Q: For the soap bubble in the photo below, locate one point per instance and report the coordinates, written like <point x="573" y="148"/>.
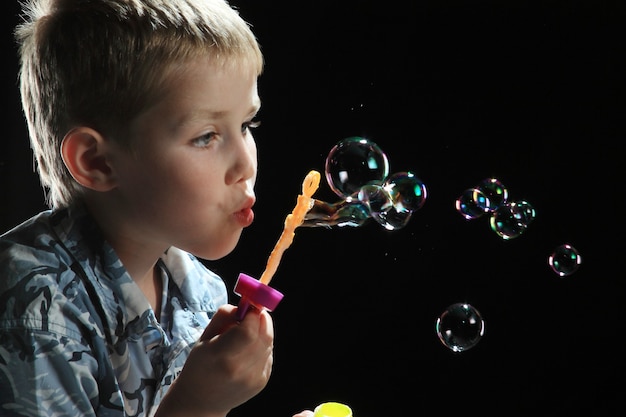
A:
<point x="381" y="207"/>
<point x="460" y="327"/>
<point x="340" y="214"/>
<point x="508" y="219"/>
<point x="407" y="192"/>
<point x="472" y="203"/>
<point x="565" y="260"/>
<point x="353" y="163"/>
<point x="358" y="171"/>
<point x="376" y="198"/>
<point x="511" y="219"/>
<point x="496" y="193"/>
<point x="523" y="211"/>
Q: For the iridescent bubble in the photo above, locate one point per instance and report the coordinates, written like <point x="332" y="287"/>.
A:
<point x="565" y="260"/>
<point x="472" y="203"/>
<point x="357" y="170"/>
<point x="496" y="193"/>
<point x="523" y="211"/>
<point x="376" y="198"/>
<point x="381" y="208"/>
<point x="460" y="327"/>
<point x="342" y="213"/>
<point x="392" y="219"/>
<point x="408" y="193"/>
<point x="353" y="163"/>
<point x="511" y="219"/>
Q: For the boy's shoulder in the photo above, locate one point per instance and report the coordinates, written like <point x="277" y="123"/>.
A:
<point x="39" y="250"/>
<point x="37" y="277"/>
<point x="52" y="265"/>
<point x="31" y="242"/>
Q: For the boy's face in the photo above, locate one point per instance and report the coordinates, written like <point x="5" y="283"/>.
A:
<point x="191" y="182"/>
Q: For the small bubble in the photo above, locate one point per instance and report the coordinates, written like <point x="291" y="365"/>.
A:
<point x="392" y="219"/>
<point x="460" y="327"/>
<point x="565" y="260"/>
<point x="408" y="193"/>
<point x="472" y="203"/>
<point x="496" y="193"/>
<point x="381" y="207"/>
<point x="375" y="197"/>
<point x="523" y="211"/>
<point x="511" y="219"/>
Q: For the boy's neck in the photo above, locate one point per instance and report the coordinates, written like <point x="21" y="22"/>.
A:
<point x="151" y="285"/>
<point x="138" y="256"/>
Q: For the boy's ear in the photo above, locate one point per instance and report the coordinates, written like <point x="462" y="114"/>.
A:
<point x="84" y="153"/>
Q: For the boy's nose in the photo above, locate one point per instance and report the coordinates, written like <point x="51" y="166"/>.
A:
<point x="245" y="158"/>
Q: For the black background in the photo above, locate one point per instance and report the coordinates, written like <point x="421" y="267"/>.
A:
<point x="530" y="92"/>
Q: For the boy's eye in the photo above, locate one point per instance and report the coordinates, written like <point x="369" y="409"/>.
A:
<point x="250" y="125"/>
<point x="204" y="140"/>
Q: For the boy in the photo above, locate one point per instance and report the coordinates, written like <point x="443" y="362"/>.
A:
<point x="140" y="115"/>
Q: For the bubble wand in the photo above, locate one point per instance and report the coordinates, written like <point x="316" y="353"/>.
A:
<point x="296" y="218"/>
<point x="258" y="293"/>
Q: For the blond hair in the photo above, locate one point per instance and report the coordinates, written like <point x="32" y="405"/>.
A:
<point x="99" y="63"/>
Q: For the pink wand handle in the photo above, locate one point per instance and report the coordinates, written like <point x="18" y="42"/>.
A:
<point x="254" y="293"/>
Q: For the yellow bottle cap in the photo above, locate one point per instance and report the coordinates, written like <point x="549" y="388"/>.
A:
<point x="332" y="409"/>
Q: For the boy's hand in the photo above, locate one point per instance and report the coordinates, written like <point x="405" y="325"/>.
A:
<point x="230" y="364"/>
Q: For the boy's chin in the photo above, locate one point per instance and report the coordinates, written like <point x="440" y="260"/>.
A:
<point x="216" y="253"/>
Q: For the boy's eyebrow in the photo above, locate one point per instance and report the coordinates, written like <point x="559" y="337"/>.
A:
<point x="204" y="114"/>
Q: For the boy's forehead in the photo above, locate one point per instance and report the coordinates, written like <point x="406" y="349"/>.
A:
<point x="200" y="68"/>
<point x="208" y="64"/>
<point x="200" y="91"/>
<point x="222" y="106"/>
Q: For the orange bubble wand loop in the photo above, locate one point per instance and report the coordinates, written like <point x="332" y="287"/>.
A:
<point x="294" y="219"/>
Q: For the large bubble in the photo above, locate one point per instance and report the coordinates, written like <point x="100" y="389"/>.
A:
<point x="460" y="327"/>
<point x="353" y="163"/>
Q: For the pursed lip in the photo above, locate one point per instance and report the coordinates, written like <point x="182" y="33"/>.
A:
<point x="245" y="215"/>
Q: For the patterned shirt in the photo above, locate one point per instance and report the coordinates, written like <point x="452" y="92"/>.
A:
<point x="77" y="335"/>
